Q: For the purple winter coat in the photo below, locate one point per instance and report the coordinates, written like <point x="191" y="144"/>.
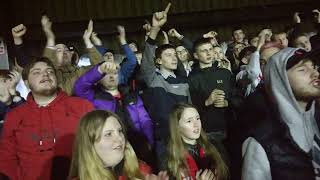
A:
<point x="86" y="87"/>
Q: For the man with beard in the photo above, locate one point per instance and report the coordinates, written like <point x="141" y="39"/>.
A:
<point x="286" y="144"/>
<point x="37" y="137"/>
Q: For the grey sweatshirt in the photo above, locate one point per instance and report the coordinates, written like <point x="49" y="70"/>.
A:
<point x="302" y="124"/>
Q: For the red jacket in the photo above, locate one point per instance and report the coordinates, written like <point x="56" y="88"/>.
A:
<point x="36" y="139"/>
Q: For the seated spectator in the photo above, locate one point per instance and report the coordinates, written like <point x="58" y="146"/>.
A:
<point x="101" y="151"/>
<point x="37" y="136"/>
<point x="190" y="154"/>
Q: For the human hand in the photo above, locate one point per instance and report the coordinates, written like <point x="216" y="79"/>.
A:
<point x="207" y="174"/>
<point x="17" y="33"/>
<point x="160" y="18"/>
<point x="216" y="98"/>
<point x="296" y="17"/>
<point x="121" y="35"/>
<point x="162" y="175"/>
<point x="95" y="39"/>
<point x="174" y="33"/>
<point x="166" y="38"/>
<point x="12" y="82"/>
<point x="108" y="68"/>
<point x="87" y="34"/>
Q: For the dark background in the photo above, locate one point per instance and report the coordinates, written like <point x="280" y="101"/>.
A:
<point x="190" y="17"/>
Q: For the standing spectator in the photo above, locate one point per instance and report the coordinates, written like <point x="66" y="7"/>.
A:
<point x="100" y="85"/>
<point x="60" y="55"/>
<point x="210" y="89"/>
<point x="165" y="88"/>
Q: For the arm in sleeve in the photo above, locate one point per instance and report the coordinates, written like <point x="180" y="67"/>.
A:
<point x="127" y="68"/>
<point x="21" y="55"/>
<point x="255" y="163"/>
<point x="94" y="55"/>
<point x="253" y="68"/>
<point x="146" y="122"/>
<point x="84" y="86"/>
<point x="50" y="53"/>
<point x="148" y="68"/>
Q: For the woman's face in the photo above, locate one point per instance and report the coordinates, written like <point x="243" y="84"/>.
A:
<point x="190" y="125"/>
<point x="111" y="146"/>
<point x="219" y="53"/>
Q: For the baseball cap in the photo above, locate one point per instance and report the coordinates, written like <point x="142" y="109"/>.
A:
<point x="301" y="54"/>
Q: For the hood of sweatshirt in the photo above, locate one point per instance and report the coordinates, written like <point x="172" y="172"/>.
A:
<point x="302" y="124"/>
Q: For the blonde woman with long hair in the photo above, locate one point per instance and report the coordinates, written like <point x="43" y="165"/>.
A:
<point x="101" y="151"/>
<point x="190" y="154"/>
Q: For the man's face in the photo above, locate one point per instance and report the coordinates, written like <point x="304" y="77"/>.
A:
<point x="204" y="53"/>
<point x="133" y="47"/>
<point x="42" y="79"/>
<point x="303" y="42"/>
<point x="62" y="50"/>
<point x="182" y="53"/>
<point x="108" y="56"/>
<point x="304" y="81"/>
<point x="282" y="39"/>
<point x="110" y="81"/>
<point x="168" y="60"/>
<point x="254" y="41"/>
<point x="238" y="36"/>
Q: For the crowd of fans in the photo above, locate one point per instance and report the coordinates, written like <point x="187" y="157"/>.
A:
<point x="206" y="110"/>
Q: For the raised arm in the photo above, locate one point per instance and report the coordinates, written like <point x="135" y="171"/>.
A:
<point x="253" y="68"/>
<point x="94" y="55"/>
<point x="148" y="68"/>
<point x="187" y="43"/>
<point x="84" y="86"/>
<point x="17" y="33"/>
<point x="127" y="68"/>
<point x="50" y="49"/>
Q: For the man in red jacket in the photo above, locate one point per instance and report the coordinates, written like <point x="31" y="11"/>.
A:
<point x="37" y="137"/>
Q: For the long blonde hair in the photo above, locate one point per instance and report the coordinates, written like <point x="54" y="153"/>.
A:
<point x="177" y="152"/>
<point x="86" y="164"/>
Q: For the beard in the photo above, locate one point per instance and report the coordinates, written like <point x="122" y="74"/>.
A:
<point x="44" y="92"/>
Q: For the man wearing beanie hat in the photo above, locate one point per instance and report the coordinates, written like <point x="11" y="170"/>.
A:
<point x="286" y="144"/>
